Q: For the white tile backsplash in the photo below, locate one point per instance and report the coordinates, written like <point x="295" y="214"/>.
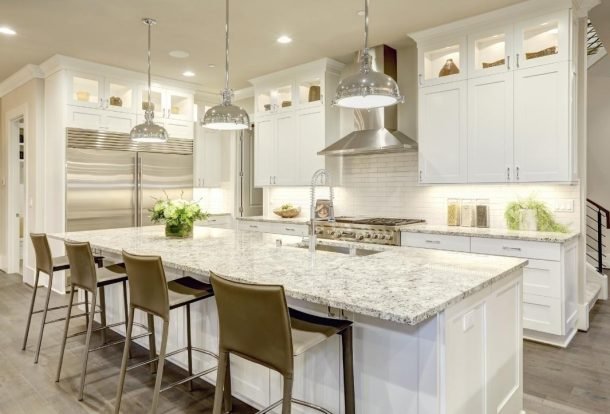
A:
<point x="386" y="185"/>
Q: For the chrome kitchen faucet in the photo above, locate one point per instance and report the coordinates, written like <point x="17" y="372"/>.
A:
<point x="323" y="176"/>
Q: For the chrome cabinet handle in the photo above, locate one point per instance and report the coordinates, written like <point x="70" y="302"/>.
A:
<point x="252" y="226"/>
<point x="516" y="249"/>
<point x="420" y="176"/>
<point x="289" y="229"/>
<point x="517" y="171"/>
<point x="433" y="241"/>
<point x="507" y="62"/>
<point x="517" y="60"/>
<point x="101" y="105"/>
<point x="508" y="174"/>
<point x="421" y="77"/>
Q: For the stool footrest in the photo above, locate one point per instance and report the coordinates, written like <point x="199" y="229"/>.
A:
<point x="177" y="351"/>
<point x="296" y="401"/>
<point x="54" y="308"/>
<point x="71" y="317"/>
<point x="118" y="341"/>
<point x="187" y="379"/>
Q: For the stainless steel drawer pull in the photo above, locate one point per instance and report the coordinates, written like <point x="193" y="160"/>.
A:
<point x="433" y="241"/>
<point x="289" y="229"/>
<point x="252" y="226"/>
<point x="516" y="249"/>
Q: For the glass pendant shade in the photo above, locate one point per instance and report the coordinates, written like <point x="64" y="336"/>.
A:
<point x="148" y="131"/>
<point x="226" y="116"/>
<point x="367" y="89"/>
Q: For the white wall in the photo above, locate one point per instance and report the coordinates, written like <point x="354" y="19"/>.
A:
<point x="598" y="129"/>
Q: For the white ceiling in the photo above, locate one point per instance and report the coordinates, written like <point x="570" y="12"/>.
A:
<point x="110" y="32"/>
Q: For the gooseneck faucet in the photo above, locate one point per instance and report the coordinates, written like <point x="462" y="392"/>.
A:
<point x="320" y="177"/>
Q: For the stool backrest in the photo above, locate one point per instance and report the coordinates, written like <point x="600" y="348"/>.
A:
<point x="82" y="265"/>
<point x="44" y="260"/>
<point x="255" y="323"/>
<point x="147" y="284"/>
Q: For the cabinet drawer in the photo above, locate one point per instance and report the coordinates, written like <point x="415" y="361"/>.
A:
<point x="217" y="221"/>
<point x="542" y="314"/>
<point x="436" y="241"/>
<point x="288" y="229"/>
<point x="517" y="248"/>
<point x="543" y="278"/>
<point x="253" y="226"/>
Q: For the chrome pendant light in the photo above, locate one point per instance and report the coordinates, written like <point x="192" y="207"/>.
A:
<point x="148" y="131"/>
<point x="226" y="116"/>
<point x="368" y="88"/>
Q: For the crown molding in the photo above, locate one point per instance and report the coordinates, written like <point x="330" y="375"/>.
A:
<point x="23" y="75"/>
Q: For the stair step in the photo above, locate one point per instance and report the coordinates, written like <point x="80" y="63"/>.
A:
<point x="592" y="291"/>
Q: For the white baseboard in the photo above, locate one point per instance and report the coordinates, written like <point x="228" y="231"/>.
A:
<point x="583" y="317"/>
<point x="561" y="341"/>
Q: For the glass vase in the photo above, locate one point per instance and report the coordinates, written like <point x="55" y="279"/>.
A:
<point x="182" y="230"/>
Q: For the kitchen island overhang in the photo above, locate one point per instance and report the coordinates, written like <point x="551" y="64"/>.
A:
<point x="435" y="332"/>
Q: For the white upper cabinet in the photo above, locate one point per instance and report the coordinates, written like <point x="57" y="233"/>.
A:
<point x="490" y="52"/>
<point x="542" y="40"/>
<point x="443" y="152"/>
<point x="207" y="158"/>
<point x="518" y="104"/>
<point x="442" y="61"/>
<point x="293" y="121"/>
<point x="169" y="103"/>
<point x="490" y="128"/>
<point x="101" y="92"/>
<point x="542" y="123"/>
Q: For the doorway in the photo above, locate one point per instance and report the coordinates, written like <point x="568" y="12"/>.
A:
<point x="16" y="192"/>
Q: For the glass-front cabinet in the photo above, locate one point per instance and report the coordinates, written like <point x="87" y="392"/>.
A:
<point x="168" y="103"/>
<point x="309" y="91"/>
<point x="120" y="96"/>
<point x="442" y="62"/>
<point x="275" y="98"/>
<point x="85" y="90"/>
<point x="490" y="52"/>
<point x="542" y="40"/>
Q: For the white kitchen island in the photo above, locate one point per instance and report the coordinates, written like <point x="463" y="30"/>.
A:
<point x="434" y="332"/>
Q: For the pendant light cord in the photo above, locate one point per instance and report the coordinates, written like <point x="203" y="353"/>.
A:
<point x="366" y="26"/>
<point x="149" y="23"/>
<point x="227" y="47"/>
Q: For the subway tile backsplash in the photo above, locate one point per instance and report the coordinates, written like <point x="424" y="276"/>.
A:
<point x="386" y="185"/>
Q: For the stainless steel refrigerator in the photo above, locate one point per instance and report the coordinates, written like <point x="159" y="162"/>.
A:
<point x="112" y="182"/>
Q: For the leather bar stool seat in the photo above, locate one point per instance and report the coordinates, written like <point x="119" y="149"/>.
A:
<point x="47" y="264"/>
<point x="256" y="324"/>
<point x="92" y="281"/>
<point x="151" y="293"/>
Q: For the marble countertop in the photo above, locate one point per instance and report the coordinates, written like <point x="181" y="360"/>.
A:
<point x="541" y="236"/>
<point x="275" y="219"/>
<point x="399" y="284"/>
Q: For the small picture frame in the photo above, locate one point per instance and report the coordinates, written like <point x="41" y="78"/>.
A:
<point x="322" y="209"/>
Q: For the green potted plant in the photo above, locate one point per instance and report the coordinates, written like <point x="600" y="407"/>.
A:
<point x="528" y="213"/>
<point x="178" y="216"/>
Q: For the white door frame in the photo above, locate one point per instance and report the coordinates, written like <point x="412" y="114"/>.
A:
<point x="12" y="188"/>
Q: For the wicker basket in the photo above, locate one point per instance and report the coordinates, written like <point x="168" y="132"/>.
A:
<point x="544" y="52"/>
<point x="291" y="213"/>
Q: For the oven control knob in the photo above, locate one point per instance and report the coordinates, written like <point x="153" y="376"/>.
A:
<point x="319" y="231"/>
<point x="360" y="237"/>
<point x="367" y="235"/>
<point x="376" y="236"/>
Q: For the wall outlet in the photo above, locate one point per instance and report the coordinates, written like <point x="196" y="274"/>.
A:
<point x="564" y="206"/>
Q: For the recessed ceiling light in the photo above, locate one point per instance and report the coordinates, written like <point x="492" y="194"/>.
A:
<point x="7" y="31"/>
<point x="211" y="66"/>
<point x="179" y="54"/>
<point x="188" y="74"/>
<point x="360" y="13"/>
<point x="284" y="39"/>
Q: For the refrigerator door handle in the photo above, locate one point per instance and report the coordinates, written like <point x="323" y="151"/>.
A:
<point x="136" y="191"/>
<point x="140" y="189"/>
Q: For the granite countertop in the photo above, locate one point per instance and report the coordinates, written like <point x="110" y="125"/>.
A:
<point x="399" y="284"/>
<point x="275" y="219"/>
<point x="540" y="236"/>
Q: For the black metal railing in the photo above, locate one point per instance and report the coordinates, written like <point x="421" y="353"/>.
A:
<point x="594" y="44"/>
<point x="598" y="219"/>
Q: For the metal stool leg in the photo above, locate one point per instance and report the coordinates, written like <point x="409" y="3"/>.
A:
<point x="27" y="325"/>
<point x="223" y="361"/>
<point x="126" y="308"/>
<point x="65" y="337"/>
<point x="86" y="307"/>
<point x="348" y="370"/>
<point x="152" y="343"/>
<point x="103" y="312"/>
<point x="83" y="372"/>
<point x="119" y="393"/>
<point x="160" y="367"/>
<point x="189" y="344"/>
<point x="44" y="318"/>
<point x="287" y="397"/>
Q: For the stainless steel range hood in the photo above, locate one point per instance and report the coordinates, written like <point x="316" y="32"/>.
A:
<point x="375" y="129"/>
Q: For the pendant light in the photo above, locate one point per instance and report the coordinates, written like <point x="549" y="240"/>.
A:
<point x="148" y="131"/>
<point x="226" y="116"/>
<point x="368" y="88"/>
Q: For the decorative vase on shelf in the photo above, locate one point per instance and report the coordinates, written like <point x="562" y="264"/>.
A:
<point x="181" y="231"/>
<point x="449" y="68"/>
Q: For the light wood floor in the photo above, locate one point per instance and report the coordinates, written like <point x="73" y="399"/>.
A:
<point x="557" y="381"/>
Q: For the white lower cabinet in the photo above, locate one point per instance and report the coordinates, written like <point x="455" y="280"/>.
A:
<point x="549" y="279"/>
<point x="289" y="229"/>
<point x="443" y="153"/>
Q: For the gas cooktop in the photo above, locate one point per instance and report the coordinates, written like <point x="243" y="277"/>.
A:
<point x="378" y="230"/>
<point x="378" y="221"/>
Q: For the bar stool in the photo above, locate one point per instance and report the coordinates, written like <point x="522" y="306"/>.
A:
<point x="86" y="277"/>
<point x="47" y="264"/>
<point x="256" y="324"/>
<point x="150" y="292"/>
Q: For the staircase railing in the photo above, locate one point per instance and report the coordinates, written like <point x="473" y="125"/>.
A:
<point x="598" y="219"/>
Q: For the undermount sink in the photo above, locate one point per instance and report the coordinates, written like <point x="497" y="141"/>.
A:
<point x="352" y="251"/>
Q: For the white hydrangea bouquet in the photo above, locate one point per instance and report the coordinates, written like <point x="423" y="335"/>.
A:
<point x="178" y="216"/>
